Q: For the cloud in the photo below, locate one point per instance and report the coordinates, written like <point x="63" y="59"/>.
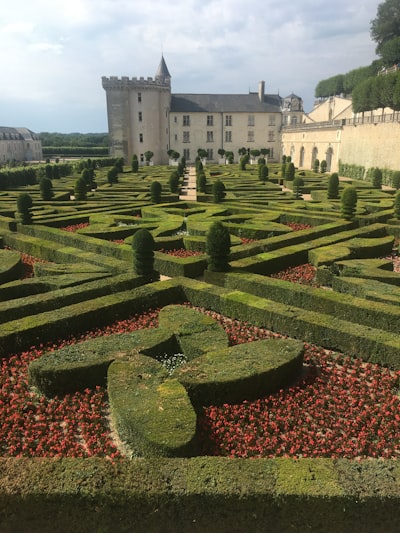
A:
<point x="54" y="55"/>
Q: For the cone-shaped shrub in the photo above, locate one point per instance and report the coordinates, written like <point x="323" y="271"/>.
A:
<point x="24" y="205"/>
<point x="135" y="164"/>
<point x="289" y="172"/>
<point x="143" y="252"/>
<point x="397" y="205"/>
<point x="80" y="189"/>
<point x="263" y="173"/>
<point x="218" y="246"/>
<point x="377" y="178"/>
<point x="46" y="189"/>
<point x="333" y="186"/>
<point x="218" y="191"/>
<point x="155" y="192"/>
<point x="202" y="182"/>
<point x="349" y="203"/>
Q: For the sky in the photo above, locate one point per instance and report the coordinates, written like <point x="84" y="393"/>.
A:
<point x="53" y="53"/>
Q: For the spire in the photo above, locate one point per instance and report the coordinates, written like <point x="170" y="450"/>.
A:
<point x="162" y="73"/>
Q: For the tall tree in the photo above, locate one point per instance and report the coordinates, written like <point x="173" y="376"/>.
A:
<point x="386" y="25"/>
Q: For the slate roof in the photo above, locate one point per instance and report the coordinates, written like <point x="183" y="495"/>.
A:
<point x="162" y="71"/>
<point x="225" y="103"/>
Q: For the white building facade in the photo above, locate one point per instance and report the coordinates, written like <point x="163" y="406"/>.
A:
<point x="18" y="145"/>
<point x="143" y="115"/>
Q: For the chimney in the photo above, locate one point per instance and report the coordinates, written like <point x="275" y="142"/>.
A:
<point x="261" y="90"/>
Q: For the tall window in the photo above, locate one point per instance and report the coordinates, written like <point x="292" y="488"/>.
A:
<point x="139" y="97"/>
<point x="210" y="120"/>
<point x="186" y="120"/>
<point x="228" y="136"/>
<point x="210" y="154"/>
<point x="186" y="154"/>
<point x="186" y="136"/>
<point x="210" y="136"/>
<point x="140" y="137"/>
<point x="293" y="121"/>
<point x="228" y="120"/>
<point x="140" y="116"/>
<point x="271" y="136"/>
<point x="250" y="120"/>
<point x="250" y="136"/>
<point x="272" y="120"/>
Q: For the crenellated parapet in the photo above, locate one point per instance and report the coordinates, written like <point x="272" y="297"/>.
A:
<point x="124" y="83"/>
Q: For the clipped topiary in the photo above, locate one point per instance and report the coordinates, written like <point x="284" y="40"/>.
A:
<point x="80" y="189"/>
<point x="143" y="252"/>
<point x="397" y="205"/>
<point x="333" y="186"/>
<point x="298" y="184"/>
<point x="396" y="180"/>
<point x="135" y="164"/>
<point x="323" y="166"/>
<point x="155" y="192"/>
<point x="289" y="172"/>
<point x="264" y="173"/>
<point x="46" y="189"/>
<point x="377" y="178"/>
<point x="202" y="182"/>
<point x="316" y="165"/>
<point x="173" y="182"/>
<point x="349" y="203"/>
<point x="24" y="205"/>
<point x="218" y="246"/>
<point x="218" y="191"/>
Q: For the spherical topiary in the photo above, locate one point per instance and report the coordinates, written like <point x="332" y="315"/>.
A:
<point x="24" y="205"/>
<point x="218" y="246"/>
<point x="349" y="202"/>
<point x="143" y="252"/>
<point x="333" y="186"/>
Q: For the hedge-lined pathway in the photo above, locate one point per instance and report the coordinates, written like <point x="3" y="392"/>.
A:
<point x="188" y="190"/>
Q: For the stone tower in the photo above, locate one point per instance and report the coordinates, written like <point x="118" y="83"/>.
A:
<point x="138" y="115"/>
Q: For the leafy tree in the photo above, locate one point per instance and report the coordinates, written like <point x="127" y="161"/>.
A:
<point x="242" y="151"/>
<point x="221" y="152"/>
<point x="218" y="245"/>
<point x="80" y="189"/>
<point x="229" y="157"/>
<point x="255" y="153"/>
<point x="396" y="180"/>
<point x="377" y="178"/>
<point x="290" y="172"/>
<point x="386" y="25"/>
<point x="243" y="162"/>
<point x="333" y="186"/>
<point x="397" y="205"/>
<point x="148" y="155"/>
<point x="143" y="246"/>
<point x="135" y="164"/>
<point x="390" y="51"/>
<point x="202" y="153"/>
<point x="288" y="159"/>
<point x="349" y="202"/>
<point x="24" y="206"/>
<point x="265" y="151"/>
<point x="155" y="192"/>
<point x="323" y="166"/>
<point x="218" y="191"/>
<point x="46" y="189"/>
<point x="330" y="86"/>
<point x="174" y="182"/>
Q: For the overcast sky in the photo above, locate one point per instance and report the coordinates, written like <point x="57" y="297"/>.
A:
<point x="53" y="53"/>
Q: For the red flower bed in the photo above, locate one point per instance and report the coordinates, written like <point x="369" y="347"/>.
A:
<point x="74" y="227"/>
<point x="297" y="227"/>
<point x="247" y="241"/>
<point x="73" y="426"/>
<point x="341" y="407"/>
<point x="303" y="274"/>
<point x="180" y="252"/>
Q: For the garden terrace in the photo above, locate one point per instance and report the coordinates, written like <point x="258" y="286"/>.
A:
<point x="88" y="282"/>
